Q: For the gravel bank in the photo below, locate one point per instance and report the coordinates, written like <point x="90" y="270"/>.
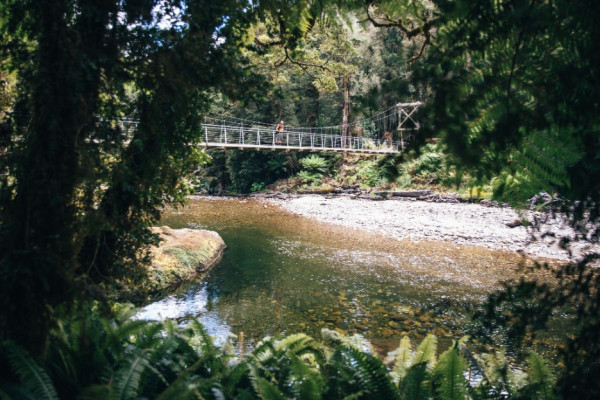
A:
<point x="459" y="223"/>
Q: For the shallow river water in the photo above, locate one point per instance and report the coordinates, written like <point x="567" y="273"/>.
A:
<point x="283" y="274"/>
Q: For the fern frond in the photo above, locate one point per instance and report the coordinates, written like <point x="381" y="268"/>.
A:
<point x="402" y="358"/>
<point x="416" y="385"/>
<point x="200" y="340"/>
<point x="295" y="343"/>
<point x="370" y="373"/>
<point x="449" y="374"/>
<point x="426" y="351"/>
<point x="181" y="387"/>
<point x="264" y="350"/>
<point x="32" y="376"/>
<point x="267" y="390"/>
<point x="540" y="377"/>
<point x="305" y="382"/>
<point x="128" y="378"/>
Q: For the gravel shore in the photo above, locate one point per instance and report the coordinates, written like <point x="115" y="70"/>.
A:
<point x="459" y="223"/>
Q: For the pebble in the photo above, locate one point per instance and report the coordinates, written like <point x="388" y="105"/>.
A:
<point x="470" y="224"/>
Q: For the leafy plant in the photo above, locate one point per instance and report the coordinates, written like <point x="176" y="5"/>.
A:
<point x="368" y="174"/>
<point x="314" y="164"/>
<point x="309" y="177"/>
<point x="257" y="186"/>
<point x="99" y="358"/>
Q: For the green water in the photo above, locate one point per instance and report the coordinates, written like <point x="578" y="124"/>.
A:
<point x="284" y="274"/>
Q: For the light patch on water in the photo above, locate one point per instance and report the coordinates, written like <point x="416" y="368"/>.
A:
<point x="192" y="304"/>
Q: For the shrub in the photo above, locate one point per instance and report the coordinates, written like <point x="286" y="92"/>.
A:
<point x="94" y="357"/>
<point x="314" y="164"/>
<point x="309" y="177"/>
<point x="369" y="174"/>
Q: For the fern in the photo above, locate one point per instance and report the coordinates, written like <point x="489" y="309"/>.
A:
<point x="449" y="374"/>
<point x="369" y="372"/>
<point x="497" y="375"/>
<point x="314" y="164"/>
<point x="402" y="358"/>
<point x="541" y="379"/>
<point x="33" y="377"/>
<point x="305" y="383"/>
<point x="426" y="351"/>
<point x="128" y="378"/>
<point x="416" y="385"/>
<point x="542" y="162"/>
<point x="267" y="390"/>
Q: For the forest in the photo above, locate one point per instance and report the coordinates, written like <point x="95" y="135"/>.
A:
<point x="510" y="109"/>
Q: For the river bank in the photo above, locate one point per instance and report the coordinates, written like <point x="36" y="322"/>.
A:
<point x="489" y="226"/>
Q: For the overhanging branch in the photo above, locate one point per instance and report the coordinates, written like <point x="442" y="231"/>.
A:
<point x="383" y="21"/>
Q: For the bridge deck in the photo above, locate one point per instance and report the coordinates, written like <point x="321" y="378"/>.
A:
<point x="220" y="136"/>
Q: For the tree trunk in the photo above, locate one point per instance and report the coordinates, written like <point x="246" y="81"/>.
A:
<point x="345" y="109"/>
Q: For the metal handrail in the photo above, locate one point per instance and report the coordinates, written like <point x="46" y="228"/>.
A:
<point x="261" y="137"/>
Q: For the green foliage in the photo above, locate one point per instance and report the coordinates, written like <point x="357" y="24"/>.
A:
<point x="368" y="174"/>
<point x="432" y="166"/>
<point x="497" y="375"/>
<point x="426" y="351"/>
<point x="214" y="177"/>
<point x="513" y="96"/>
<point x="313" y="169"/>
<point x="36" y="383"/>
<point x="541" y="380"/>
<point x="309" y="178"/>
<point x="314" y="164"/>
<point x="449" y="375"/>
<point x="544" y="159"/>
<point x="248" y="168"/>
<point x="402" y="358"/>
<point x="526" y="306"/>
<point x="190" y="259"/>
<point x="98" y="358"/>
<point x="388" y="167"/>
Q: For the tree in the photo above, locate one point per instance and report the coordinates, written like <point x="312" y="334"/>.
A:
<point x="83" y="186"/>
<point x="516" y="98"/>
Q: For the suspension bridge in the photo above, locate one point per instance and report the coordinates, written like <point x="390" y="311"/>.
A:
<point x="384" y="133"/>
<point x="398" y="127"/>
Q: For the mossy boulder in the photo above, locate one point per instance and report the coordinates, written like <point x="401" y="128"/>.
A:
<point x="183" y="255"/>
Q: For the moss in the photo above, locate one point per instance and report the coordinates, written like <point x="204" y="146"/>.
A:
<point x="182" y="256"/>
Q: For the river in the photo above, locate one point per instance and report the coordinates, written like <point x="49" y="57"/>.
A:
<point x="284" y="273"/>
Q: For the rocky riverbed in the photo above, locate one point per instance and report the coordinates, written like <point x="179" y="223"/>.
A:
<point x="490" y="226"/>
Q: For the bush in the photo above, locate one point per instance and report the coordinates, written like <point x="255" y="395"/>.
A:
<point x="309" y="178"/>
<point x="94" y="357"/>
<point x="432" y="166"/>
<point x="250" y="170"/>
<point x="314" y="164"/>
<point x="369" y="174"/>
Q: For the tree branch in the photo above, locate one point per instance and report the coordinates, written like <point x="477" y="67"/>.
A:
<point x="384" y="21"/>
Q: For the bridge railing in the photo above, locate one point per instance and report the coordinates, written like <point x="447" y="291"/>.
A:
<point x="237" y="136"/>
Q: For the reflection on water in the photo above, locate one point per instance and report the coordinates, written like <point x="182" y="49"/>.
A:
<point x="283" y="273"/>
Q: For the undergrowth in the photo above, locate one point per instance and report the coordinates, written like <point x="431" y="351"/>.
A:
<point x="122" y="358"/>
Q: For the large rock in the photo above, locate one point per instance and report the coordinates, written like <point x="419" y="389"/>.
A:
<point x="183" y="255"/>
<point x="187" y="250"/>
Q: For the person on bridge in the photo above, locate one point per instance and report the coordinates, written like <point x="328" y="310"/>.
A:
<point x="279" y="129"/>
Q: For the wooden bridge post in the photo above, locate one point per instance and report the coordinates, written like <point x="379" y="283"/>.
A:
<point x="407" y="116"/>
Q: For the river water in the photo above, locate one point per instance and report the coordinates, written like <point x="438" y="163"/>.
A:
<point x="283" y="274"/>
